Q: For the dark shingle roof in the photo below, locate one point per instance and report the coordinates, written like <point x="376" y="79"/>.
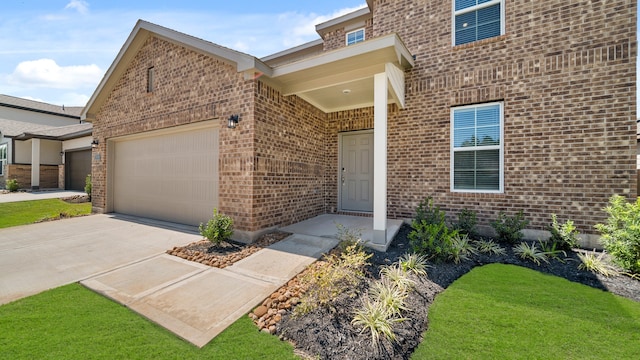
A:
<point x="20" y="103"/>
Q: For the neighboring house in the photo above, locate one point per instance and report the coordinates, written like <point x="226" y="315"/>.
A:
<point x="488" y="105"/>
<point x="43" y="145"/>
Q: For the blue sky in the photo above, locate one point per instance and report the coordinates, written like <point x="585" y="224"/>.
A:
<point x="57" y="51"/>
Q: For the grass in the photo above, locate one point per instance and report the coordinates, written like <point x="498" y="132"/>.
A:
<point x="72" y="322"/>
<point x="28" y="212"/>
<point x="508" y="312"/>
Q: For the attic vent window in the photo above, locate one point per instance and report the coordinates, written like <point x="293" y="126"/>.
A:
<point x="150" y="79"/>
<point x="356" y="36"/>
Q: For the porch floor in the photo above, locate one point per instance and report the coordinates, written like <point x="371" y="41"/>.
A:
<point x="325" y="226"/>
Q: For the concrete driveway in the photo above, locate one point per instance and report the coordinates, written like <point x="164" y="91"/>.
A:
<point x="38" y="257"/>
<point x="38" y="195"/>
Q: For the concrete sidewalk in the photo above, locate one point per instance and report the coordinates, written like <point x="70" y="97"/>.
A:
<point x="38" y="195"/>
<point x="197" y="302"/>
<point x="38" y="257"/>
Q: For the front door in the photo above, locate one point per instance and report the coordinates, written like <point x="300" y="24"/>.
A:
<point x="356" y="172"/>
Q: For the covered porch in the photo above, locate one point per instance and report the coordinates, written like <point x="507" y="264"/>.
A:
<point x="364" y="75"/>
<point x="326" y="226"/>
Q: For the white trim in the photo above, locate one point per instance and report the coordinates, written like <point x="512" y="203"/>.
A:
<point x="499" y="147"/>
<point x="364" y="36"/>
<point x="381" y="90"/>
<point x="475" y="8"/>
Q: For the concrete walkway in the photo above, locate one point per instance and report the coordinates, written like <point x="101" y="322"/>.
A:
<point x="38" y="195"/>
<point x="197" y="302"/>
<point x="38" y="257"/>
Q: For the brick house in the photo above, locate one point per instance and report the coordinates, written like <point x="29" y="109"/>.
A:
<point x="43" y="146"/>
<point x="488" y="105"/>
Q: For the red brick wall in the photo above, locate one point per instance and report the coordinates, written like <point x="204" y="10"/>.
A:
<point x="336" y="39"/>
<point x="566" y="74"/>
<point x="290" y="159"/>
<point x="189" y="88"/>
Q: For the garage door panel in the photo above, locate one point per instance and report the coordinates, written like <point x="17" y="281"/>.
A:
<point x="172" y="177"/>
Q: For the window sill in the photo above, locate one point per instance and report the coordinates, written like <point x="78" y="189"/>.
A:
<point x="482" y="42"/>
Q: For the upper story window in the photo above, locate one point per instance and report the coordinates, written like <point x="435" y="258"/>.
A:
<point x="477" y="19"/>
<point x="477" y="148"/>
<point x="356" y="36"/>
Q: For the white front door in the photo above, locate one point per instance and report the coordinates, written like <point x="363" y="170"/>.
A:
<point x="356" y="172"/>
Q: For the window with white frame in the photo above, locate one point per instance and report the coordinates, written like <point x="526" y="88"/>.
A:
<point x="356" y="36"/>
<point x="3" y="158"/>
<point x="477" y="148"/>
<point x="477" y="19"/>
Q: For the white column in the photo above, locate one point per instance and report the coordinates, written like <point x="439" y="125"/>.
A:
<point x="35" y="164"/>
<point x="380" y="159"/>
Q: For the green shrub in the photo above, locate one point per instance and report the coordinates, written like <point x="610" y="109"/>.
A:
<point x="396" y="275"/>
<point x="595" y="264"/>
<point x="376" y="317"/>
<point x="428" y="212"/>
<point x="467" y="221"/>
<point x="621" y="233"/>
<point x="530" y="252"/>
<point x="12" y="185"/>
<point x="414" y="263"/>
<point x="87" y="185"/>
<point x="340" y="276"/>
<point x="461" y="248"/>
<point x="509" y="228"/>
<point x="432" y="240"/>
<point x="489" y="247"/>
<point x="565" y="236"/>
<point x="218" y="229"/>
<point x="349" y="237"/>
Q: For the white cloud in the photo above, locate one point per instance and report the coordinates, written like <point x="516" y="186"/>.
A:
<point x="79" y="5"/>
<point x="47" y="73"/>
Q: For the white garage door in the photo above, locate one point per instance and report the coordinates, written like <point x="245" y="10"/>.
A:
<point x="171" y="176"/>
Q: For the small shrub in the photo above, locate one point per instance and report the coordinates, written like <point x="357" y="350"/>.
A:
<point x="432" y="240"/>
<point x="466" y="223"/>
<point x="530" y="252"/>
<point x="551" y="250"/>
<point x="341" y="276"/>
<point x="12" y="185"/>
<point x="375" y="317"/>
<point x="565" y="236"/>
<point x="414" y="263"/>
<point x="87" y="185"/>
<point x="461" y="248"/>
<point x="509" y="228"/>
<point x="390" y="296"/>
<point x="428" y="212"/>
<point x="397" y="276"/>
<point x="218" y="229"/>
<point x="621" y="233"/>
<point x="595" y="264"/>
<point x="489" y="247"/>
<point x="348" y="237"/>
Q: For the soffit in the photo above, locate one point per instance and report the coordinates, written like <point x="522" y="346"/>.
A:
<point x="323" y="79"/>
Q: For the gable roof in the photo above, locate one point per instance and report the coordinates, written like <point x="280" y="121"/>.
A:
<point x="248" y="64"/>
<point x="41" y="107"/>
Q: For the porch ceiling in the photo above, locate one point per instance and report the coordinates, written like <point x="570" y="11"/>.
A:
<point x="343" y="79"/>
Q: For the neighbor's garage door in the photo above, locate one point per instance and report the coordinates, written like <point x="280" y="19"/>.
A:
<point x="171" y="176"/>
<point x="77" y="167"/>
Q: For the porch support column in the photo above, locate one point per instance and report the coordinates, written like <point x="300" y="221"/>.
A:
<point x="35" y="164"/>
<point x="380" y="91"/>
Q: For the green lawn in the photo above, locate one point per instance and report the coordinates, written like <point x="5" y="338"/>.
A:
<point x="509" y="312"/>
<point x="28" y="212"/>
<point x="72" y="322"/>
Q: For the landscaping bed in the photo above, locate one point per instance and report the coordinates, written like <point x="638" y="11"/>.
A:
<point x="329" y="334"/>
<point x="226" y="253"/>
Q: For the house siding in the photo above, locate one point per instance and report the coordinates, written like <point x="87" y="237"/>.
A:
<point x="565" y="72"/>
